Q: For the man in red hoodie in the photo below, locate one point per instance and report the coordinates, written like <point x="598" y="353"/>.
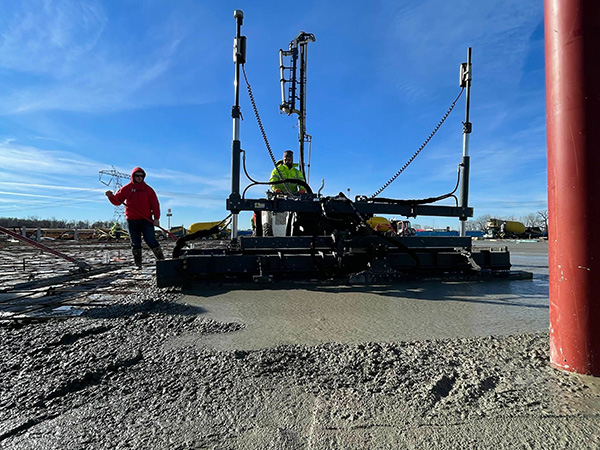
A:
<point x="142" y="212"/>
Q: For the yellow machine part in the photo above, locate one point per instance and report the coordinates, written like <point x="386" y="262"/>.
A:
<point x="201" y="226"/>
<point x="506" y="226"/>
<point x="380" y="224"/>
<point x="514" y="227"/>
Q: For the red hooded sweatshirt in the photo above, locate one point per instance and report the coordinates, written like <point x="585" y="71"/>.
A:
<point x="140" y="199"/>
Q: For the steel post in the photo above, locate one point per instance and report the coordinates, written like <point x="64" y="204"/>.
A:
<point x="465" y="164"/>
<point x="572" y="50"/>
<point x="238" y="58"/>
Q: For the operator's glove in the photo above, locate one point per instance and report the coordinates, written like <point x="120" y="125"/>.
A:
<point x="278" y="191"/>
<point x="302" y="191"/>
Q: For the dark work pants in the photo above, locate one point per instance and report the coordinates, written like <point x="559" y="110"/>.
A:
<point x="139" y="228"/>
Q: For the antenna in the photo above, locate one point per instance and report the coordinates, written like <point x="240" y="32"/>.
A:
<point x="298" y="48"/>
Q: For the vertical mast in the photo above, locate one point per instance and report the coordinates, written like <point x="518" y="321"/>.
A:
<point x="239" y="58"/>
<point x="465" y="81"/>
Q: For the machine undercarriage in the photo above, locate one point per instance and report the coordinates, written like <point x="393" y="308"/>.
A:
<point x="350" y="260"/>
<point x="328" y="240"/>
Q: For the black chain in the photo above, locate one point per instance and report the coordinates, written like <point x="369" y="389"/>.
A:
<point x="421" y="147"/>
<point x="262" y="129"/>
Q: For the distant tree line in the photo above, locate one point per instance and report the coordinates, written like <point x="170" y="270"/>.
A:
<point x="34" y="222"/>
<point x="538" y="219"/>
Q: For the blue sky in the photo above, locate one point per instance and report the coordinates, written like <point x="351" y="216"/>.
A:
<point x="91" y="85"/>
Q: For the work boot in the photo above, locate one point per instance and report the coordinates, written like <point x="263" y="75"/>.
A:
<point x="137" y="257"/>
<point x="158" y="253"/>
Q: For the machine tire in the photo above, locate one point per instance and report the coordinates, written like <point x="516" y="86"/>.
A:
<point x="267" y="229"/>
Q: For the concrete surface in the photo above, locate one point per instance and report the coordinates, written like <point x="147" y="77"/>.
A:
<point x="413" y="367"/>
<point x="312" y="314"/>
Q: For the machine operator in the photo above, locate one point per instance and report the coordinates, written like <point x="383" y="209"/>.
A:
<point x="288" y="170"/>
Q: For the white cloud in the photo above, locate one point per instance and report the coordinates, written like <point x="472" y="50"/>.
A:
<point x="213" y="183"/>
<point x="426" y="37"/>
<point x="72" y="61"/>
<point x="21" y="194"/>
<point x="28" y="162"/>
<point x="35" y="179"/>
<point x="47" y="37"/>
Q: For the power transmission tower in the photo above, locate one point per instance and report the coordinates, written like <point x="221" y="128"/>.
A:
<point x="115" y="182"/>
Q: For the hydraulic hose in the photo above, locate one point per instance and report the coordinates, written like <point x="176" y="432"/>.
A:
<point x="198" y="235"/>
<point x="301" y="183"/>
<point x="260" y="125"/>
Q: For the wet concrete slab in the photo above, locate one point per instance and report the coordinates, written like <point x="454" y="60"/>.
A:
<point x="313" y="314"/>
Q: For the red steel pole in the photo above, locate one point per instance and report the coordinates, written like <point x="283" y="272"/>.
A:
<point x="572" y="33"/>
